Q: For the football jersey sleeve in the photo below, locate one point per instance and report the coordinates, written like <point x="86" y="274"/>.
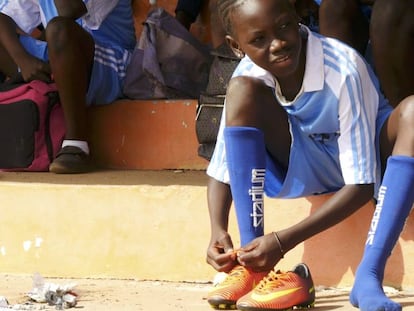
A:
<point x="25" y="13"/>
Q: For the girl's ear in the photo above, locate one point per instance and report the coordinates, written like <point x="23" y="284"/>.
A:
<point x="234" y="46"/>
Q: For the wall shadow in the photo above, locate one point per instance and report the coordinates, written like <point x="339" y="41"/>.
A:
<point x="338" y="250"/>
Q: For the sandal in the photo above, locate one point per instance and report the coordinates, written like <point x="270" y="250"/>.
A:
<point x="71" y="160"/>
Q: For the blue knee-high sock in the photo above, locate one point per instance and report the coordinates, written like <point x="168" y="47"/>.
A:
<point x="246" y="159"/>
<point x="395" y="200"/>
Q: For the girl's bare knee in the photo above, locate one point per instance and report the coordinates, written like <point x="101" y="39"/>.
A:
<point x="406" y="108"/>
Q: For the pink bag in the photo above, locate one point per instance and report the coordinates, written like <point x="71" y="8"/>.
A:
<point x="32" y="126"/>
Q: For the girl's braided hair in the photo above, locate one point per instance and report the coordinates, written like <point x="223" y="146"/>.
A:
<point x="225" y="9"/>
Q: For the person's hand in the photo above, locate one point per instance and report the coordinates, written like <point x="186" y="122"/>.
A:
<point x="32" y="68"/>
<point x="220" y="253"/>
<point x="262" y="254"/>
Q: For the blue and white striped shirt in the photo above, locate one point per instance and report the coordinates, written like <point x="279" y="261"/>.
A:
<point x="106" y="20"/>
<point x="334" y="123"/>
<point x="110" y="23"/>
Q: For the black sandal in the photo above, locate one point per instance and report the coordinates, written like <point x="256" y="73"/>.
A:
<point x="71" y="160"/>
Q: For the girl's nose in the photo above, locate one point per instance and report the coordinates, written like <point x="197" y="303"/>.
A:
<point x="276" y="45"/>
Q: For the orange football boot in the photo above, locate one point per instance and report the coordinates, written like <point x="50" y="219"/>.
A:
<point x="281" y="291"/>
<point x="237" y="283"/>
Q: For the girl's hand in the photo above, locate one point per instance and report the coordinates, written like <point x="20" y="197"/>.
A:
<point x="220" y="253"/>
<point x="262" y="254"/>
<point x="33" y="68"/>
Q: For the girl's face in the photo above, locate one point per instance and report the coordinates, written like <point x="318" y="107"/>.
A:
<point x="268" y="32"/>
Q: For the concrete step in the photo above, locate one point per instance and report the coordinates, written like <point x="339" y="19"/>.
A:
<point x="153" y="225"/>
<point x="144" y="216"/>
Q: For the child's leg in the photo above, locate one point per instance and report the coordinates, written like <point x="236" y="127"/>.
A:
<point x="71" y="52"/>
<point x="395" y="201"/>
<point x="344" y="20"/>
<point x="249" y="136"/>
<point x="392" y="47"/>
<point x="246" y="157"/>
<point x="7" y="66"/>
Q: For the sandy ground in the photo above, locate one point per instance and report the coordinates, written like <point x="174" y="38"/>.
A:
<point x="128" y="295"/>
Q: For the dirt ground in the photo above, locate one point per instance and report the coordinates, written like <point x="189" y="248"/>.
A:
<point x="128" y="295"/>
<point x="109" y="294"/>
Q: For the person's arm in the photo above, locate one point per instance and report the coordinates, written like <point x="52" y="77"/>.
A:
<point x="186" y="11"/>
<point x="337" y="208"/>
<point x="367" y="2"/>
<point x="9" y="36"/>
<point x="220" y="250"/>
<point x="10" y="44"/>
<point x="264" y="252"/>
<point x="73" y="9"/>
<point x="31" y="67"/>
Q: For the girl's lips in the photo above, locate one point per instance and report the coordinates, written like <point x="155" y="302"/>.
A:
<point x="280" y="58"/>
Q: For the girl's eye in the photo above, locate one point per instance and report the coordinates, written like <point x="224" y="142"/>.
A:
<point x="257" y="39"/>
<point x="284" y="26"/>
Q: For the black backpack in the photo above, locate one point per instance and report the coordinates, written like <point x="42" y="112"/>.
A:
<point x="211" y="102"/>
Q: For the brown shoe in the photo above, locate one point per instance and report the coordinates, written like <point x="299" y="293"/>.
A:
<point x="71" y="160"/>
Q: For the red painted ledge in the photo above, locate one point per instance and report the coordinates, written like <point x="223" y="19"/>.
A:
<point x="145" y="134"/>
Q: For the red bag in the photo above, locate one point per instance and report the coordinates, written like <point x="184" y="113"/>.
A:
<point x="32" y="126"/>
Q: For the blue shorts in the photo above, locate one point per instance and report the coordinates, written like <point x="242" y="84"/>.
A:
<point x="108" y="72"/>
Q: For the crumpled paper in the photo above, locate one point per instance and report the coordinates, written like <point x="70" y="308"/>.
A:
<point x="3" y="303"/>
<point x="61" y="296"/>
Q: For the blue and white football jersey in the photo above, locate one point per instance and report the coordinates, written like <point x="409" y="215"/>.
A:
<point x="334" y="123"/>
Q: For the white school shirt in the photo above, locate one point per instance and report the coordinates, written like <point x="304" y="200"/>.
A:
<point x="333" y="123"/>
<point x="28" y="14"/>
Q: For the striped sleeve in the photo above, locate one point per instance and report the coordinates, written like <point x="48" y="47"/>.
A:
<point x="25" y="13"/>
<point x="358" y="100"/>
